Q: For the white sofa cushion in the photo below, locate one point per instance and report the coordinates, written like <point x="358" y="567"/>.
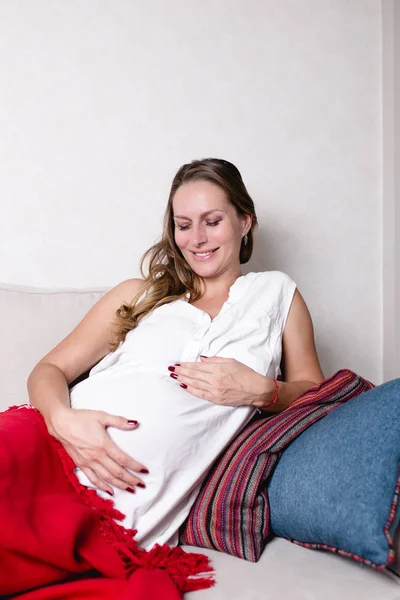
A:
<point x="289" y="572"/>
<point x="32" y="321"/>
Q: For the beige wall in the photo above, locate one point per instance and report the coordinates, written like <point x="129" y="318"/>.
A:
<point x="101" y="102"/>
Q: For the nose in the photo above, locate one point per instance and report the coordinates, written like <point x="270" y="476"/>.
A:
<point x="199" y="235"/>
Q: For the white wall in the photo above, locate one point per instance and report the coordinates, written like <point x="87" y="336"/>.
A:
<point x="396" y="370"/>
<point x="391" y="188"/>
<point x="101" y="102"/>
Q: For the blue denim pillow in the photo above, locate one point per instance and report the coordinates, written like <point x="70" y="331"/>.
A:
<point x="336" y="487"/>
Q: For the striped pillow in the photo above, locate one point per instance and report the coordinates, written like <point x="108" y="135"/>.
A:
<point x="231" y="513"/>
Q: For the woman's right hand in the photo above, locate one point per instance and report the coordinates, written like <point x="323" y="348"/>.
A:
<point x="84" y="436"/>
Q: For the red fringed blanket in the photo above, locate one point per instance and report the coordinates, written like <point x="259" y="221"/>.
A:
<point x="60" y="540"/>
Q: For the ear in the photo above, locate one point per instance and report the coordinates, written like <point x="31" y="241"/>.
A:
<point x="247" y="221"/>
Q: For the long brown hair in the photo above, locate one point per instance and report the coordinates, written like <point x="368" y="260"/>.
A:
<point x="169" y="275"/>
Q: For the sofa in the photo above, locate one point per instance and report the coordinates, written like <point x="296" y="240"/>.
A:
<point x="34" y="320"/>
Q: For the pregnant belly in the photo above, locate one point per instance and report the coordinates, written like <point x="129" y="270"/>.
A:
<point x="177" y="439"/>
<point x="167" y="415"/>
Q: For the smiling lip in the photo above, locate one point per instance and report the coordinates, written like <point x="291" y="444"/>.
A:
<point x="202" y="256"/>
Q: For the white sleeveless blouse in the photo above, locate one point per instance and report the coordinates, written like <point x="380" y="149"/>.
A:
<point x="180" y="435"/>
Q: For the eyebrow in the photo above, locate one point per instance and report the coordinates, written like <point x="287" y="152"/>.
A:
<point x="202" y="215"/>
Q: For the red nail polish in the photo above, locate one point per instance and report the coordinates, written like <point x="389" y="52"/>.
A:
<point x="184" y="386"/>
<point x="132" y="422"/>
<point x="110" y="493"/>
<point x="171" y="368"/>
<point x="173" y="375"/>
<point x="130" y="490"/>
<point x="143" y="470"/>
<point x="177" y="364"/>
<point x="140" y="484"/>
<point x="202" y="356"/>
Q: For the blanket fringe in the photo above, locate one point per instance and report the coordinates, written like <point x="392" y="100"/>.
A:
<point x="181" y="566"/>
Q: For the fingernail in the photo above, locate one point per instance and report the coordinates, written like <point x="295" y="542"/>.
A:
<point x="173" y="375"/>
<point x="184" y="386"/>
<point x="130" y="490"/>
<point x="177" y="364"/>
<point x="171" y="368"/>
<point x="141" y="485"/>
<point x="110" y="493"/>
<point x="143" y="470"/>
<point x="202" y="356"/>
<point x="132" y="422"/>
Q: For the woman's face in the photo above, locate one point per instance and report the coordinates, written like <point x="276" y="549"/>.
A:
<point x="208" y="230"/>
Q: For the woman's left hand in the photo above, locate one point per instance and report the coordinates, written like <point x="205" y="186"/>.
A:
<point x="224" y="381"/>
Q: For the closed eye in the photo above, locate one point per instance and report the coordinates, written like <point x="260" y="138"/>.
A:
<point x="209" y="223"/>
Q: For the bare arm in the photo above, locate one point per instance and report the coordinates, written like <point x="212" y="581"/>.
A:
<point x="84" y="347"/>
<point x="83" y="432"/>
<point x="48" y="391"/>
<point x="300" y="361"/>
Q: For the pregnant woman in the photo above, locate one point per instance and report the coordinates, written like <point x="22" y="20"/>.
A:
<point x="179" y="360"/>
<point x="194" y="303"/>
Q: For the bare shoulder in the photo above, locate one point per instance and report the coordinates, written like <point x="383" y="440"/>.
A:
<point x="300" y="358"/>
<point x="299" y="323"/>
<point x="126" y="291"/>
<point x="299" y="315"/>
